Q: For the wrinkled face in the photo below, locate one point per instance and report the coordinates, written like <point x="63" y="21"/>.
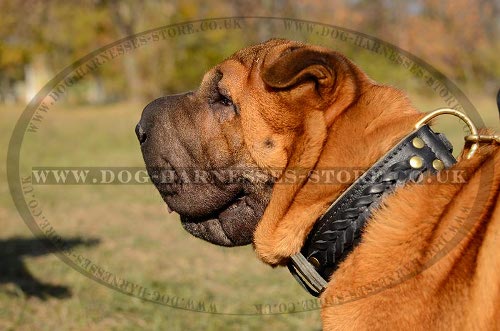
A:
<point x="214" y="154"/>
<point x="208" y="152"/>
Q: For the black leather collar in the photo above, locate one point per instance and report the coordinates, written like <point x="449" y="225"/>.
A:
<point x="339" y="230"/>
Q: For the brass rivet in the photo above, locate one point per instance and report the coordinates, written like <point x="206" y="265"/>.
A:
<point x="314" y="261"/>
<point x="416" y="162"/>
<point x="438" y="164"/>
<point x="418" y="143"/>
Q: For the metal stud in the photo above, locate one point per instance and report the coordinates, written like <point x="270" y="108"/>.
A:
<point x="438" y="164"/>
<point x="314" y="261"/>
<point x="418" y="143"/>
<point x="416" y="162"/>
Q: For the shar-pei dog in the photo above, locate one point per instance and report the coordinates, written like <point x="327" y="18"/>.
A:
<point x="406" y="238"/>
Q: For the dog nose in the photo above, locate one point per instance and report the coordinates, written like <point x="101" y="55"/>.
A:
<point x="140" y="133"/>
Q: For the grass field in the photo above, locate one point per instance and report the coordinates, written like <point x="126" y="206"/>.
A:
<point x="133" y="237"/>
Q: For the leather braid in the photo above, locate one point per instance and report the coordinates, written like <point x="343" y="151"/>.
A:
<point x="338" y="231"/>
<point x="334" y="242"/>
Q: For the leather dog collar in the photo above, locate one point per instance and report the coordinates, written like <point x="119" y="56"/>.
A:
<point x="338" y="231"/>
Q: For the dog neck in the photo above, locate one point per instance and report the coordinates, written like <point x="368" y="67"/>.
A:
<point x="338" y="231"/>
<point x="366" y="130"/>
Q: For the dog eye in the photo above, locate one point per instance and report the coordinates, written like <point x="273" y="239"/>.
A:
<point x="225" y="101"/>
<point x="221" y="100"/>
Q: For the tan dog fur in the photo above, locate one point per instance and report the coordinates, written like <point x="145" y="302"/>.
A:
<point x="428" y="257"/>
<point x="459" y="289"/>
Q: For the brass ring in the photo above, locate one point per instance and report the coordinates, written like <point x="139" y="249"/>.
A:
<point x="456" y="113"/>
<point x="486" y="139"/>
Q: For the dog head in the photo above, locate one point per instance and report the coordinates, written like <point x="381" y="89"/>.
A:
<point x="267" y="107"/>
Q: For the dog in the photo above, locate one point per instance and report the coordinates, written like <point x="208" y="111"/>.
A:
<point x="287" y="108"/>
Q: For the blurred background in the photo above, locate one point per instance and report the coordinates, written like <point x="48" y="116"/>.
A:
<point x="38" y="39"/>
<point x="125" y="229"/>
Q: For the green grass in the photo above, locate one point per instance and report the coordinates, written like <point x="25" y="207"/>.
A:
<point x="139" y="240"/>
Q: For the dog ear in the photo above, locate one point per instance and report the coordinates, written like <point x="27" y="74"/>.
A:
<point x="298" y="65"/>
<point x="314" y="78"/>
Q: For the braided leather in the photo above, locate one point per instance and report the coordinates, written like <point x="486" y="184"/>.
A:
<point x="344" y="231"/>
<point x="339" y="230"/>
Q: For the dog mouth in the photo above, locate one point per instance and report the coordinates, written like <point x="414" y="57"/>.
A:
<point x="221" y="206"/>
<point x="232" y="225"/>
<point x="221" y="212"/>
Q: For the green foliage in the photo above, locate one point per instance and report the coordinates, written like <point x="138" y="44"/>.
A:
<point x="57" y="33"/>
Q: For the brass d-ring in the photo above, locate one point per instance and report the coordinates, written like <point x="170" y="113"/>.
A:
<point x="454" y="112"/>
